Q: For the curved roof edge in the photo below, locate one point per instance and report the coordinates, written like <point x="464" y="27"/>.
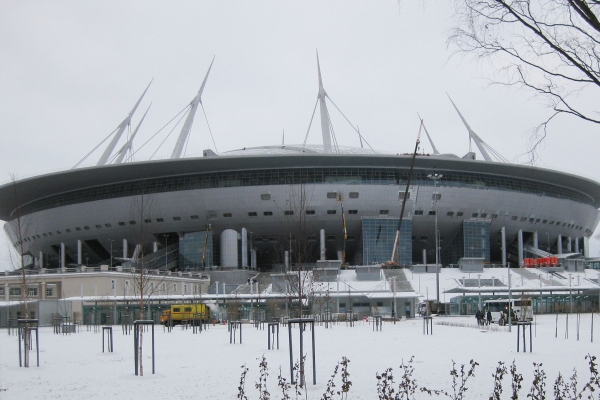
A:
<point x="29" y="189"/>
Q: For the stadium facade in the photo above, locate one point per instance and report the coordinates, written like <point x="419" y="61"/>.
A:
<point x="242" y="208"/>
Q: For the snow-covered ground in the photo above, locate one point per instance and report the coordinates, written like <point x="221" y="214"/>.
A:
<point x="206" y="366"/>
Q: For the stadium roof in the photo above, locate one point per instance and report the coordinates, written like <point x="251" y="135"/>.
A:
<point x="27" y="190"/>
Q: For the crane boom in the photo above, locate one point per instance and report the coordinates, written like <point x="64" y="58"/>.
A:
<point x="412" y="164"/>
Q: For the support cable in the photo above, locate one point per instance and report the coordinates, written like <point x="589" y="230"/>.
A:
<point x="332" y="132"/>
<point x="169" y="134"/>
<point x="360" y="137"/>
<point x="210" y="130"/>
<point x="114" y="156"/>
<point x="160" y="130"/>
<point x="95" y="148"/>
<point x="187" y="140"/>
<point x="356" y="130"/>
<point x="498" y="156"/>
<point x="310" y="123"/>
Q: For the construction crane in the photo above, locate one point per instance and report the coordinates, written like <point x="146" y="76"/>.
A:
<point x="393" y="263"/>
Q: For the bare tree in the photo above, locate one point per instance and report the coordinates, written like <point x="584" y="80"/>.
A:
<point x="143" y="283"/>
<point x="299" y="244"/>
<point x="550" y="47"/>
<point x="301" y="247"/>
<point x="20" y="226"/>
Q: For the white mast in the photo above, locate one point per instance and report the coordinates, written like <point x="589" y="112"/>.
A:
<point x="124" y="124"/>
<point x="473" y="135"/>
<point x="435" y="150"/>
<point x="127" y="146"/>
<point x="324" y="113"/>
<point x="187" y="126"/>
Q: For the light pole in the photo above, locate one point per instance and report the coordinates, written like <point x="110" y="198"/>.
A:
<point x="435" y="178"/>
<point x="111" y="252"/>
<point x="479" y="284"/>
<point x="367" y="246"/>
<point x="166" y="252"/>
<point x="251" y="249"/>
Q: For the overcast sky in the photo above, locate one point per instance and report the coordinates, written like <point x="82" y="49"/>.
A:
<point x="71" y="72"/>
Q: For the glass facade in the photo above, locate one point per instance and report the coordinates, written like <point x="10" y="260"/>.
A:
<point x="293" y="176"/>
<point x="191" y="249"/>
<point x="472" y="241"/>
<point x="543" y="303"/>
<point x="379" y="234"/>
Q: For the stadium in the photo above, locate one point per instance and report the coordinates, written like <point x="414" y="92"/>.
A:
<point x="250" y="208"/>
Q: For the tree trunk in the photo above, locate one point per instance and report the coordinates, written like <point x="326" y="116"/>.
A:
<point x="141" y="328"/>
<point x="26" y="342"/>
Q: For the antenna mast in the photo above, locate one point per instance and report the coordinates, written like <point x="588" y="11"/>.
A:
<point x="122" y="126"/>
<point x="127" y="146"/>
<point x="187" y="126"/>
<point x="324" y="113"/>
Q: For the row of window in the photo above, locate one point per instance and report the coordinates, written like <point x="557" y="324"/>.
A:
<point x="513" y="218"/>
<point x="31" y="291"/>
<point x="193" y="217"/>
<point x="296" y="176"/>
<point x="363" y="304"/>
<point x="557" y="223"/>
<point x="330" y="195"/>
<point x="164" y="287"/>
<point x="291" y="212"/>
<point x="310" y="238"/>
<point x="329" y="212"/>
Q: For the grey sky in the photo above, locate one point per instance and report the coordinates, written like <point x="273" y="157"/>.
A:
<point x="71" y="71"/>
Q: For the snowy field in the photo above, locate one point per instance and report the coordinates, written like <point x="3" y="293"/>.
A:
<point x="206" y="366"/>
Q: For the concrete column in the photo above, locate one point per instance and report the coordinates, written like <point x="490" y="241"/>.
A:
<point x="322" y="242"/>
<point x="43" y="289"/>
<point x="559" y="244"/>
<point x="244" y="248"/>
<point x="124" y="248"/>
<point x="286" y="260"/>
<point x="576" y="245"/>
<point x="520" y="241"/>
<point x="340" y="255"/>
<point x="217" y="287"/>
<point x="253" y="259"/>
<point x="586" y="246"/>
<point x="79" y="250"/>
<point x="137" y="252"/>
<point x="424" y="256"/>
<point x="154" y="247"/>
<point x="535" y="240"/>
<point x="503" y="233"/>
<point x="6" y="293"/>
<point x="569" y="244"/>
<point x="62" y="255"/>
<point x="41" y="262"/>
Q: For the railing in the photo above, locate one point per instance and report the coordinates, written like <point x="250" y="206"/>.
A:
<point x="105" y="268"/>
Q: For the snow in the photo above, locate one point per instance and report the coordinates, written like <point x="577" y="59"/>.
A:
<point x="451" y="278"/>
<point x="206" y="366"/>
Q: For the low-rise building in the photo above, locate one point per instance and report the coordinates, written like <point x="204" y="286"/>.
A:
<point x="52" y="286"/>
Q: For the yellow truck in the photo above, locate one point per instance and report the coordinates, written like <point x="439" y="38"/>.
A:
<point x="185" y="312"/>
